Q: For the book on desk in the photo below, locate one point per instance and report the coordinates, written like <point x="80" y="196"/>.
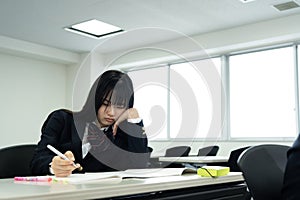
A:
<point x="115" y="177"/>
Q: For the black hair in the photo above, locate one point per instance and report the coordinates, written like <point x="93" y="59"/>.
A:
<point x="114" y="86"/>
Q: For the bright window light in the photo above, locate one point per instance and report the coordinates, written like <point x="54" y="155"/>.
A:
<point x="94" y="28"/>
<point x="262" y="94"/>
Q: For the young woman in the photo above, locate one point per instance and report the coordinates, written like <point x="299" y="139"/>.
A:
<point x="106" y="135"/>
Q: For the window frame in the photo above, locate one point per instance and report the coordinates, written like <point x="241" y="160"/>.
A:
<point x="225" y="70"/>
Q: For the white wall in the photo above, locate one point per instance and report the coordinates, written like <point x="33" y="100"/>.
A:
<point x="80" y="78"/>
<point x="33" y="86"/>
<point x="78" y="83"/>
<point x="30" y="89"/>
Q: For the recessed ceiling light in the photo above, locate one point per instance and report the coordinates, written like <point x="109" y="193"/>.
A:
<point x="94" y="28"/>
<point x="246" y="1"/>
<point x="286" y="6"/>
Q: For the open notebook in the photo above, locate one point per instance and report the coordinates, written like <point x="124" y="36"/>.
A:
<point x="119" y="175"/>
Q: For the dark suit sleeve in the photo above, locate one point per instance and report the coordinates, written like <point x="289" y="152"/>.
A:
<point x="137" y="142"/>
<point x="291" y="185"/>
<point x="51" y="134"/>
<point x="137" y="139"/>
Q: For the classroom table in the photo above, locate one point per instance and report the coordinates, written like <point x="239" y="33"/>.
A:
<point x="195" y="159"/>
<point x="171" y="187"/>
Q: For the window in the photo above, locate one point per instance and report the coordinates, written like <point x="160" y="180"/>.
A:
<point x="184" y="101"/>
<point x="262" y="94"/>
<point x="191" y="105"/>
<point x="187" y="92"/>
<point x="151" y="90"/>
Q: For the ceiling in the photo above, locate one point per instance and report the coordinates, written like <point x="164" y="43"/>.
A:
<point x="43" y="21"/>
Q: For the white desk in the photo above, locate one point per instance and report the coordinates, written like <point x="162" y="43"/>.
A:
<point x="195" y="159"/>
<point x="30" y="190"/>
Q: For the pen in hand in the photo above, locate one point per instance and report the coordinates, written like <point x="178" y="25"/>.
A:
<point x="62" y="156"/>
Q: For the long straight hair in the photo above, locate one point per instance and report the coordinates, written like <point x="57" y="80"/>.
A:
<point x="112" y="85"/>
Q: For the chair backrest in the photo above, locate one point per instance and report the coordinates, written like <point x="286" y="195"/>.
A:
<point x="263" y="169"/>
<point x="208" y="151"/>
<point x="178" y="151"/>
<point x="150" y="149"/>
<point x="15" y="160"/>
<point x="233" y="158"/>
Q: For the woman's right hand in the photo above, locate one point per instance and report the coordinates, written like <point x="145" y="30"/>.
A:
<point x="63" y="168"/>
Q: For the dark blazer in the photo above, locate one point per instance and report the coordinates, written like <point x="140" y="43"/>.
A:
<point x="291" y="183"/>
<point x="127" y="150"/>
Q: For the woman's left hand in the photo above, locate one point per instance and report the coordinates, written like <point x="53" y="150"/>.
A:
<point x="130" y="113"/>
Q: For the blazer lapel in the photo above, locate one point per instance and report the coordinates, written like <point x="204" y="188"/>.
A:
<point x="77" y="134"/>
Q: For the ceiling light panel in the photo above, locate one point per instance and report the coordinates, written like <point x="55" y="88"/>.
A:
<point x="94" y="28"/>
<point x="286" y="6"/>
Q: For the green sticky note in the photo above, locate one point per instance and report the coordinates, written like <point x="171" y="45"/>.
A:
<point x="213" y="171"/>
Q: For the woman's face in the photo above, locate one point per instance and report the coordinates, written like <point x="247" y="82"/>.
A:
<point x="108" y="114"/>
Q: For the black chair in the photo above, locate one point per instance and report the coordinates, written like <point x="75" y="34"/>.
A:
<point x="15" y="160"/>
<point x="208" y="151"/>
<point x="150" y="149"/>
<point x="233" y="158"/>
<point x="178" y="151"/>
<point x="150" y="163"/>
<point x="263" y="169"/>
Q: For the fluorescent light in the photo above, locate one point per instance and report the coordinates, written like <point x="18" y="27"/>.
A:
<point x="94" y="28"/>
